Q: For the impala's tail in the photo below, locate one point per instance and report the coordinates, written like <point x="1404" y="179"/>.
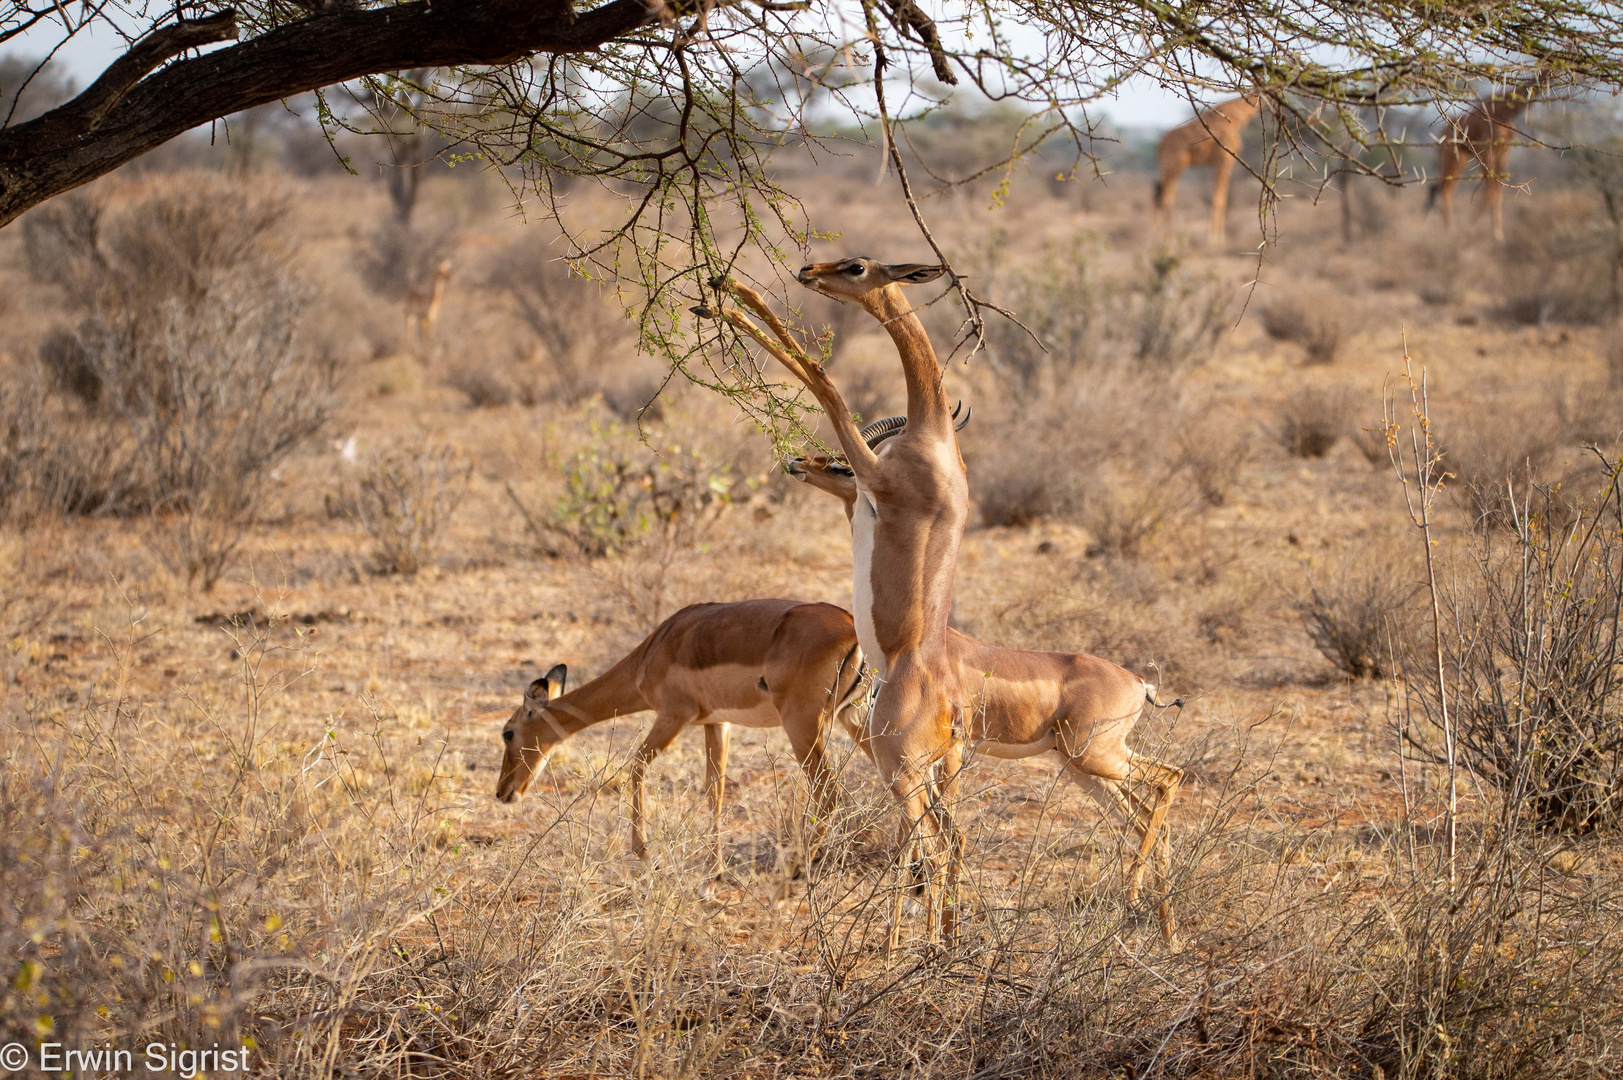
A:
<point x="1149" y="696"/>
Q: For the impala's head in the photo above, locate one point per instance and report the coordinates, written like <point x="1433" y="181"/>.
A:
<point x="858" y="278"/>
<point x="529" y="735"/>
<point x="834" y="476"/>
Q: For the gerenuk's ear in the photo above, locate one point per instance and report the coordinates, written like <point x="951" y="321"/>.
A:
<point x="555" y="680"/>
<point x="914" y="273"/>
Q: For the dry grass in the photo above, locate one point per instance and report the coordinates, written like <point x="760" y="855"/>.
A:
<point x="1315" y="321"/>
<point x="268" y="817"/>
<point x="1310" y="422"/>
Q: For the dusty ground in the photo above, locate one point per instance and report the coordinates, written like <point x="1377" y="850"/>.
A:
<point x="358" y="713"/>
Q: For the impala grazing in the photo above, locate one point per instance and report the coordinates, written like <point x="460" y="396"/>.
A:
<point x="757" y="663"/>
<point x="1017" y="703"/>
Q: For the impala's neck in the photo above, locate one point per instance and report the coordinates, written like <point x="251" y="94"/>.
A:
<point x="926" y="398"/>
<point x="613" y="693"/>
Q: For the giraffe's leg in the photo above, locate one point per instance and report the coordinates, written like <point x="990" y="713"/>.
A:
<point x="715" y="779"/>
<point x="1494" y="190"/>
<point x="1166" y="196"/>
<point x="1222" y="172"/>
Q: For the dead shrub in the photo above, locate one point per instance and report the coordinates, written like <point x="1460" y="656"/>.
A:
<point x="1094" y="455"/>
<point x="1356" y="616"/>
<point x="1526" y="441"/>
<point x="1310" y="421"/>
<point x="1530" y="658"/>
<point x="583" y="336"/>
<point x="404" y="499"/>
<point x="1560" y="255"/>
<point x="484" y="388"/>
<point x="1213" y="448"/>
<point x="1371" y="441"/>
<point x="1018" y="497"/>
<point x="1122" y="512"/>
<point x="1314" y="322"/>
<point x="188" y="345"/>
<point x="1008" y="490"/>
<point x="1156" y="315"/>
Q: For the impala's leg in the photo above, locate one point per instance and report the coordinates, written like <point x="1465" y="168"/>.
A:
<point x="666" y="726"/>
<point x="802" y="717"/>
<point x="1222" y="172"/>
<point x="715" y="779"/>
<point x="1165" y="780"/>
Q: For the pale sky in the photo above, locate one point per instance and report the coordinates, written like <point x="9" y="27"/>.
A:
<point x="1142" y="103"/>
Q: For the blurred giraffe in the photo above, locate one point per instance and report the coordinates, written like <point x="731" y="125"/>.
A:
<point x="1484" y="134"/>
<point x="1213" y="138"/>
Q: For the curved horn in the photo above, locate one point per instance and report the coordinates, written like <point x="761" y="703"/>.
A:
<point x="880" y="430"/>
<point x="959" y="426"/>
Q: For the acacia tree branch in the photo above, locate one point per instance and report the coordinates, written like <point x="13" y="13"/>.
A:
<point x="124" y="114"/>
<point x="86" y="112"/>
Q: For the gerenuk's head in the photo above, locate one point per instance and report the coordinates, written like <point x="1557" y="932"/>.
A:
<point x="858" y="278"/>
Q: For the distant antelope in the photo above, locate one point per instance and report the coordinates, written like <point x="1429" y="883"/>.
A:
<point x="423" y="304"/>
<point x="757" y="663"/>
<point x="1484" y="134"/>
<point x="1214" y="138"/>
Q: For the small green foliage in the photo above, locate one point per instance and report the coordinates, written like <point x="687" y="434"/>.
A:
<point x="620" y="491"/>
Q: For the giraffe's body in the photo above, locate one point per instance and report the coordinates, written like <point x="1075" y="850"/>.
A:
<point x="1213" y="139"/>
<point x="1483" y="135"/>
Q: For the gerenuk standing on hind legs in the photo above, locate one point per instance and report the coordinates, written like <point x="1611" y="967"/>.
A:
<point x="910" y="509"/>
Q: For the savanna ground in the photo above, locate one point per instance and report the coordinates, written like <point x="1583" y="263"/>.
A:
<point x="247" y="785"/>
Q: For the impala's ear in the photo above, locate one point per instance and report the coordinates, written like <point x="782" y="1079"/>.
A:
<point x="537" y="694"/>
<point x="555" y="680"/>
<point x="913" y="273"/>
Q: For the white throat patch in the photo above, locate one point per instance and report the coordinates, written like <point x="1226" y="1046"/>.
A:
<point x="863" y="519"/>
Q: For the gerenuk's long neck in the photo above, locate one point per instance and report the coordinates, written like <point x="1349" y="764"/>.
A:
<point x="926" y="397"/>
<point x="613" y="693"/>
